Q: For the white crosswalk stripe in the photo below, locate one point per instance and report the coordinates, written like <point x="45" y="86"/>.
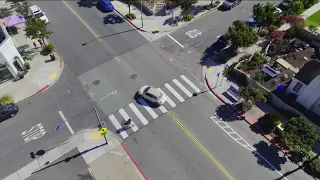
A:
<point x="115" y="122"/>
<point x="174" y="92"/>
<point x="185" y="90"/>
<point x="194" y="87"/>
<point x="126" y="117"/>
<point x="148" y="108"/>
<point x="138" y="114"/>
<point x="170" y="102"/>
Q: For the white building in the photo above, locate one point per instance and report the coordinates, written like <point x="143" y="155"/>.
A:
<point x="306" y="86"/>
<point x="10" y="59"/>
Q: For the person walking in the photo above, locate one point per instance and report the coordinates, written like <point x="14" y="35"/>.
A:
<point x="128" y="124"/>
<point x="40" y="42"/>
<point x="34" y="44"/>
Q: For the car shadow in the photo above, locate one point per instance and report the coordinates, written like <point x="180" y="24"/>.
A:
<point x="147" y="103"/>
<point x="87" y="3"/>
<point x="112" y="19"/>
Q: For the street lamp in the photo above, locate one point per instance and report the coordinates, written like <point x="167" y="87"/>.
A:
<point x="95" y="110"/>
<point x="141" y="13"/>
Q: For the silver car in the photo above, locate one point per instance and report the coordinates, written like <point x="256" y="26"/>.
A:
<point x="153" y="95"/>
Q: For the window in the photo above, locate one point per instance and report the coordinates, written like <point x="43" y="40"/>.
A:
<point x="297" y="87"/>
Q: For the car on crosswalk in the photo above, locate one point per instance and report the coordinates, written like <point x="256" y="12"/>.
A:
<point x="153" y="95"/>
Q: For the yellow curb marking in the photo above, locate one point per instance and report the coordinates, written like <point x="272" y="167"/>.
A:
<point x="53" y="76"/>
<point x="95" y="136"/>
<point x="209" y="70"/>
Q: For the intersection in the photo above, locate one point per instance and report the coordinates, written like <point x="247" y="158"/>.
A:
<point x="178" y="140"/>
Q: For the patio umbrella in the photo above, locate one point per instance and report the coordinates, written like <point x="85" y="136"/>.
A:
<point x="14" y="20"/>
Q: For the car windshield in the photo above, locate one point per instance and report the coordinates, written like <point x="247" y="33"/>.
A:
<point x="40" y="14"/>
<point x="231" y="1"/>
<point x="146" y="90"/>
<point x="152" y="96"/>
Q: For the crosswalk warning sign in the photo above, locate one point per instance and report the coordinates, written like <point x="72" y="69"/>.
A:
<point x="103" y="131"/>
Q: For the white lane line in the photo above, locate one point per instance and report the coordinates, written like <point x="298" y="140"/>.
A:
<point x="174" y="92"/>
<point x="175" y="40"/>
<point x="66" y="122"/>
<point x="138" y="114"/>
<point x="163" y="109"/>
<point x="250" y="148"/>
<point x="170" y="102"/>
<point x="126" y="117"/>
<point x="185" y="90"/>
<point x="115" y="122"/>
<point x="148" y="108"/>
<point x="194" y="87"/>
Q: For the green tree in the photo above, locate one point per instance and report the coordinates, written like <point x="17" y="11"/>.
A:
<point x="265" y="16"/>
<point x="253" y="94"/>
<point x="297" y="6"/>
<point x="23" y="9"/>
<point x="187" y="4"/>
<point x="297" y="24"/>
<point x="129" y="3"/>
<point x="298" y="136"/>
<point x="260" y="76"/>
<point x="269" y="122"/>
<point x="6" y="99"/>
<point x="37" y="29"/>
<point x="241" y="35"/>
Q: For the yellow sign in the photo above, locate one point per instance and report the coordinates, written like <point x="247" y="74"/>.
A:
<point x="103" y="131"/>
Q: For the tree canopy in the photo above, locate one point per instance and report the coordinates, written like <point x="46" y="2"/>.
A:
<point x="253" y="94"/>
<point x="298" y="135"/>
<point x="187" y="4"/>
<point x="37" y="29"/>
<point x="241" y="35"/>
<point x="266" y="15"/>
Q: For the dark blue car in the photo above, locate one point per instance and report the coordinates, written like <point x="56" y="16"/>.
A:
<point x="8" y="111"/>
<point x="106" y="5"/>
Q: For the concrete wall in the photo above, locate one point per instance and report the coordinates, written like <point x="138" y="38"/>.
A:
<point x="315" y="107"/>
<point x="9" y="53"/>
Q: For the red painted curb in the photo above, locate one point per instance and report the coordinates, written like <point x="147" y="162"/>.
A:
<point x="249" y="121"/>
<point x="129" y="21"/>
<point x="43" y="89"/>
<point x="134" y="162"/>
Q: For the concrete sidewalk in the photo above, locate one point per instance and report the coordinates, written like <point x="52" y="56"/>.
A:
<point x="161" y="23"/>
<point x="109" y="161"/>
<point x="40" y="76"/>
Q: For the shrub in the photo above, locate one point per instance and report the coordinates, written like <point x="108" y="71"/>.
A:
<point x="48" y="48"/>
<point x="188" y="17"/>
<point x="257" y="60"/>
<point x="244" y="106"/>
<point x="268" y="122"/>
<point x="263" y="32"/>
<point x="314" y="165"/>
<point x="260" y="76"/>
<point x="169" y="5"/>
<point x="217" y="3"/>
<point x="6" y="99"/>
<point x="276" y="34"/>
<point x="209" y="6"/>
<point x="131" y="16"/>
<point x="253" y="94"/>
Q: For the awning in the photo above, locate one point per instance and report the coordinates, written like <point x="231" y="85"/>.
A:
<point x="14" y="20"/>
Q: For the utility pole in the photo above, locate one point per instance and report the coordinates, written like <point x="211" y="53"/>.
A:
<point x="97" y="114"/>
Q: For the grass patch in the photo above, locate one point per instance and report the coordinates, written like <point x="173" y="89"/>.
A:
<point x="314" y="19"/>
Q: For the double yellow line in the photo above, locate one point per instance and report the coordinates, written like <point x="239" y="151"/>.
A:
<point x="82" y="21"/>
<point x="201" y="146"/>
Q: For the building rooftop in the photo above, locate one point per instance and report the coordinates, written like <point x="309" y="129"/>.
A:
<point x="309" y="71"/>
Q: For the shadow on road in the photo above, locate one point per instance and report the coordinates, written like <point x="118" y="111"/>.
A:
<point x="226" y="113"/>
<point x="68" y="159"/>
<point x="87" y="3"/>
<point x="112" y="19"/>
<point x="101" y="37"/>
<point x="270" y="153"/>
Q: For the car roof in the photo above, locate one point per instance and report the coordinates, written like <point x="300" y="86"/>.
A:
<point x="35" y="8"/>
<point x="154" y="91"/>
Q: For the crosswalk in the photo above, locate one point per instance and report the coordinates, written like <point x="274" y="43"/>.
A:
<point x="142" y="112"/>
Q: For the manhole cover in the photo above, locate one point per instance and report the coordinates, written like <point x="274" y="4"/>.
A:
<point x="96" y="82"/>
<point x="133" y="76"/>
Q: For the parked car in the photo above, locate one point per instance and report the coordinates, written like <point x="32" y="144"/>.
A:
<point x="36" y="11"/>
<point x="106" y="5"/>
<point x="153" y="95"/>
<point x="8" y="111"/>
<point x="284" y="6"/>
<point x="229" y="4"/>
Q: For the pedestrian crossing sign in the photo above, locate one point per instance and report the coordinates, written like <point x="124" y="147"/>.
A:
<point x="103" y="131"/>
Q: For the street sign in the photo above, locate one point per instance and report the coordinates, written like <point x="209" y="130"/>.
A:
<point x="60" y="127"/>
<point x="103" y="131"/>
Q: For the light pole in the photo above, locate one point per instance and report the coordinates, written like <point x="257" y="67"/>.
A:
<point x="141" y="13"/>
<point x="95" y="110"/>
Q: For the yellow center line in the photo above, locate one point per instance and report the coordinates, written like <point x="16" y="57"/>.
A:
<point x="201" y="146"/>
<point x="83" y="22"/>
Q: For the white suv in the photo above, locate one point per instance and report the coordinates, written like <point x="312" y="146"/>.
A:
<point x="36" y="11"/>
